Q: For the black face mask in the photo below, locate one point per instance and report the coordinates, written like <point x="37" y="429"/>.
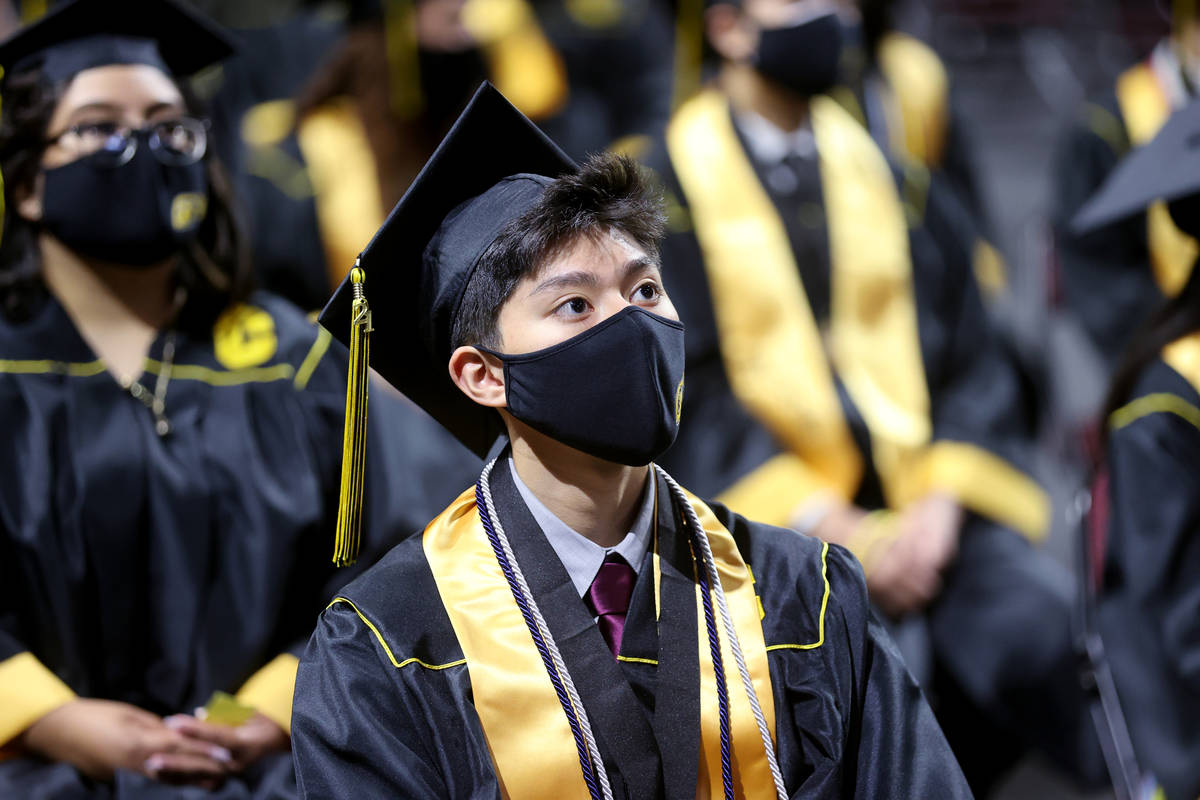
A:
<point x="804" y="57"/>
<point x="614" y="391"/>
<point x="137" y="214"/>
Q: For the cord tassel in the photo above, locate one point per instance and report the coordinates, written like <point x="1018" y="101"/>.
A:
<point x="354" y="443"/>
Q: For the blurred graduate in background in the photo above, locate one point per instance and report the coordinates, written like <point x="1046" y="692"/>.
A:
<point x="898" y="88"/>
<point x="1145" y="521"/>
<point x="174" y="440"/>
<point x="1114" y="277"/>
<point x="335" y="116"/>
<point x="843" y="378"/>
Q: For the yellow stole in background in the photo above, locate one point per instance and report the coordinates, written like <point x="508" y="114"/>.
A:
<point x="528" y="735"/>
<point x="1145" y="109"/>
<point x="916" y="107"/>
<point x="774" y="355"/>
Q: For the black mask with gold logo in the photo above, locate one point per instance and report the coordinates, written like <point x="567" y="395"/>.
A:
<point x="136" y="214"/>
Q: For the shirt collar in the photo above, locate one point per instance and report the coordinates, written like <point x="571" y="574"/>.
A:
<point x="580" y="555"/>
<point x="769" y="143"/>
<point x="1169" y="71"/>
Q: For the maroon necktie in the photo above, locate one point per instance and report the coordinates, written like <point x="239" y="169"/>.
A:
<point x="608" y="598"/>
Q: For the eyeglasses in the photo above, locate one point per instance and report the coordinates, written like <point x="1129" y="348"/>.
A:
<point x="177" y="142"/>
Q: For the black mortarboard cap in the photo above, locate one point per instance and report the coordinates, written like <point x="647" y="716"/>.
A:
<point x="1165" y="168"/>
<point x="493" y="165"/>
<point x="95" y="33"/>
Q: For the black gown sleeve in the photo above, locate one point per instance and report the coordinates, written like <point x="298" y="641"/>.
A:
<point x="975" y="388"/>
<point x="959" y="164"/>
<point x="352" y="733"/>
<point x="1149" y="608"/>
<point x="894" y="747"/>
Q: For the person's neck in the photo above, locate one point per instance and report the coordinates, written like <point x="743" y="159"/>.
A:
<point x="597" y="498"/>
<point x="747" y="90"/>
<point x="95" y="292"/>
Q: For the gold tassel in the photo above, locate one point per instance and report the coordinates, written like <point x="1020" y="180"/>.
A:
<point x="354" y="443"/>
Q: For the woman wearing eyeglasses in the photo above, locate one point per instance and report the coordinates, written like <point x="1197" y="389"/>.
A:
<point x="172" y="442"/>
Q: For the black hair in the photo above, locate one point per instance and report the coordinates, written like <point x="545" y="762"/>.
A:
<point x="610" y="193"/>
<point x="214" y="268"/>
<point x="1177" y="318"/>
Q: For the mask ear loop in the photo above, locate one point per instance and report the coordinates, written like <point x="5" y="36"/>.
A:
<point x="585" y="742"/>
<point x="711" y="567"/>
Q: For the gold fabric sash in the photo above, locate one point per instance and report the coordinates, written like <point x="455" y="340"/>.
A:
<point x="345" y="181"/>
<point x="917" y="107"/>
<point x="1145" y="109"/>
<point x="770" y="342"/>
<point x="528" y="735"/>
<point x="774" y="355"/>
<point x="1183" y="356"/>
<point x="752" y="773"/>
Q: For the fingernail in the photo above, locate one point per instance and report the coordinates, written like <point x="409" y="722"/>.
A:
<point x="175" y="722"/>
<point x="153" y="764"/>
<point x="220" y="754"/>
<point x="200" y="713"/>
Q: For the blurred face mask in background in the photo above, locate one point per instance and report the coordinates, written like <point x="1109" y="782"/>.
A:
<point x="803" y="56"/>
<point x="133" y="204"/>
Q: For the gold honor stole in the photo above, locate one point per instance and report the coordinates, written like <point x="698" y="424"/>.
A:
<point x="528" y="736"/>
<point x="916" y="108"/>
<point x="1145" y="108"/>
<point x="774" y="354"/>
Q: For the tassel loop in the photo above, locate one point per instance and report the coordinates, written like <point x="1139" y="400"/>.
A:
<point x="354" y="443"/>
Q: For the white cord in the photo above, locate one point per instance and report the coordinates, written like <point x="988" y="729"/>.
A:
<point x="731" y="632"/>
<point x="544" y="630"/>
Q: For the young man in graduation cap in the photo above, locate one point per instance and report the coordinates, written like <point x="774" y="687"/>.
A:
<point x="576" y="624"/>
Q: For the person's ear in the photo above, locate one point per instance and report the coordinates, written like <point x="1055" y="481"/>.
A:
<point x="730" y="34"/>
<point x="479" y="376"/>
<point x="29" y="199"/>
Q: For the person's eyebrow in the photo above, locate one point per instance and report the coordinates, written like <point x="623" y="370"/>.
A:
<point x="163" y="105"/>
<point x="112" y="108"/>
<point x="639" y="264"/>
<point x="96" y="106"/>
<point x="566" y="281"/>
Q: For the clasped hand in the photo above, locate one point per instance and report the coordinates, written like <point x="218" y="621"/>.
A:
<point x="99" y="737"/>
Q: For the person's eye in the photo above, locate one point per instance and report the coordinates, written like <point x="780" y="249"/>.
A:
<point x="647" y="292"/>
<point x="96" y="130"/>
<point x="573" y="307"/>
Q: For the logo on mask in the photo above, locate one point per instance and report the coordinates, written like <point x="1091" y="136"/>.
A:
<point x="243" y="337"/>
<point x="679" y="401"/>
<point x="188" y="210"/>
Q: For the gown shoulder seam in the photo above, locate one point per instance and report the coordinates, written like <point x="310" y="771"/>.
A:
<point x="1158" y="402"/>
<point x="824" y="605"/>
<point x="398" y="664"/>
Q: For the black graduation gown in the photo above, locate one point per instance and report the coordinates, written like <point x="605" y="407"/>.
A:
<point x="156" y="570"/>
<point x="1001" y="628"/>
<point x="1149" y="606"/>
<point x="850" y="721"/>
<point x="1106" y="278"/>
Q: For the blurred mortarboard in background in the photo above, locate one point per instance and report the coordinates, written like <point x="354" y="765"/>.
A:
<point x="1165" y="168"/>
<point x="94" y="33"/>
<point x="492" y="166"/>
